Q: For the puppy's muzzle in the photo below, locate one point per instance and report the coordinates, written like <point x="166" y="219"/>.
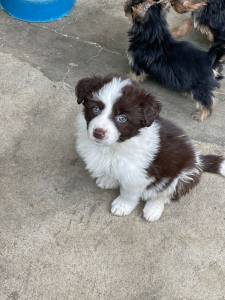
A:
<point x="99" y="133"/>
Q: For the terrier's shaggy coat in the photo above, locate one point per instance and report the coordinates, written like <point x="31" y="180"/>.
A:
<point x="177" y="65"/>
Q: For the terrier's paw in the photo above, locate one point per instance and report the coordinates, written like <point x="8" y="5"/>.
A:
<point x="153" y="210"/>
<point x="137" y="78"/>
<point x="201" y="115"/>
<point x="121" y="207"/>
<point x="107" y="183"/>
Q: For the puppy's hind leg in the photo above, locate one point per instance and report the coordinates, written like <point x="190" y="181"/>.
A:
<point x="136" y="74"/>
<point x="154" y="208"/>
<point x="181" y="186"/>
<point x="204" y="105"/>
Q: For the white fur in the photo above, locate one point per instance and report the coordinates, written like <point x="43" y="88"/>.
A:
<point x="222" y="168"/>
<point x="107" y="182"/>
<point x="153" y="209"/>
<point x="125" y="163"/>
<point x="111" y="91"/>
<point x="108" y="95"/>
<point x="126" y="202"/>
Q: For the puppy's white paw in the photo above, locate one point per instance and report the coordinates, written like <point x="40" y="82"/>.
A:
<point x="107" y="183"/>
<point x="121" y="207"/>
<point x="153" y="210"/>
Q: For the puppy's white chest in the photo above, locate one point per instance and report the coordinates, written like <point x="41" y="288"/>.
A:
<point x="126" y="162"/>
<point x="123" y="165"/>
<point x="105" y="161"/>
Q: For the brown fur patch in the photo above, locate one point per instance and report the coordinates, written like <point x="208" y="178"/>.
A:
<point x="176" y="154"/>
<point x="88" y="109"/>
<point x="141" y="110"/>
<point x="184" y="188"/>
<point x="212" y="163"/>
<point x="87" y="86"/>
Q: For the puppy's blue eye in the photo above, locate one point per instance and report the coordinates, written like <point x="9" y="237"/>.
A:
<point x="96" y="110"/>
<point x="121" y="119"/>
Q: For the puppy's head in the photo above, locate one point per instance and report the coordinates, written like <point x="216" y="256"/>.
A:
<point x="129" y="5"/>
<point x="115" y="108"/>
<point x="136" y="10"/>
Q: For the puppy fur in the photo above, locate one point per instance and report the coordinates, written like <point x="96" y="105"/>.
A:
<point x="209" y="20"/>
<point x="177" y="65"/>
<point x="126" y="145"/>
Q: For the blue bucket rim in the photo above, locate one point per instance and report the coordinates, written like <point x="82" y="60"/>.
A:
<point x="29" y="19"/>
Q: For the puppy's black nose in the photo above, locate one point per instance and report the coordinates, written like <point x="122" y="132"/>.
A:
<point x="99" y="133"/>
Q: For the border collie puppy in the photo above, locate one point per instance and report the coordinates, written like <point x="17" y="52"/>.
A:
<point x="177" y="65"/>
<point x="126" y="145"/>
<point x="209" y="19"/>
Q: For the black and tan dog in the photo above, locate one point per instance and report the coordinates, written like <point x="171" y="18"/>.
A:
<point x="208" y="18"/>
<point x="177" y="65"/>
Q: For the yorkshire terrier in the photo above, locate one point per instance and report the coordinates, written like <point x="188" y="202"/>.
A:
<point x="208" y="18"/>
<point x="178" y="65"/>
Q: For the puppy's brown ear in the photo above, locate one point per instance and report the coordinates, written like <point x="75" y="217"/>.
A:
<point x="86" y="86"/>
<point x="151" y="110"/>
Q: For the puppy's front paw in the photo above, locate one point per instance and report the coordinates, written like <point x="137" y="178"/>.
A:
<point x="153" y="210"/>
<point x="121" y="207"/>
<point x="106" y="183"/>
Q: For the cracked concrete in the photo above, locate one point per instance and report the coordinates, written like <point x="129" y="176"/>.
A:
<point x="57" y="237"/>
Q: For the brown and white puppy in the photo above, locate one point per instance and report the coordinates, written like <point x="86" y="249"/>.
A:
<point x="125" y="144"/>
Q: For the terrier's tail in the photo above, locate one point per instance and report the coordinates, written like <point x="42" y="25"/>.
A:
<point x="215" y="53"/>
<point x="213" y="164"/>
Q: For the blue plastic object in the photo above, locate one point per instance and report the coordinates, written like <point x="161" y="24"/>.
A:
<point x="37" y="10"/>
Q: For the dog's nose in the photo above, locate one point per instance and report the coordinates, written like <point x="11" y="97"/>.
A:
<point x="99" y="133"/>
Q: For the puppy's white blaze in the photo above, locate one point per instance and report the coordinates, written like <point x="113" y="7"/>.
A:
<point x="108" y="95"/>
<point x="103" y="121"/>
<point x="110" y="92"/>
<point x="222" y="168"/>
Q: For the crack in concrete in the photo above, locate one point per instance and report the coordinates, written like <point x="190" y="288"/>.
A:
<point x="95" y="56"/>
<point x="95" y="44"/>
<point x="66" y="85"/>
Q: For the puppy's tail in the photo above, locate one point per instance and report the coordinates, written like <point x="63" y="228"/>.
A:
<point x="215" y="53"/>
<point x="213" y="164"/>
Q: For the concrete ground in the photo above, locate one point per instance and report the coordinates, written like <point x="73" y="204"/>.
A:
<point x="57" y="237"/>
